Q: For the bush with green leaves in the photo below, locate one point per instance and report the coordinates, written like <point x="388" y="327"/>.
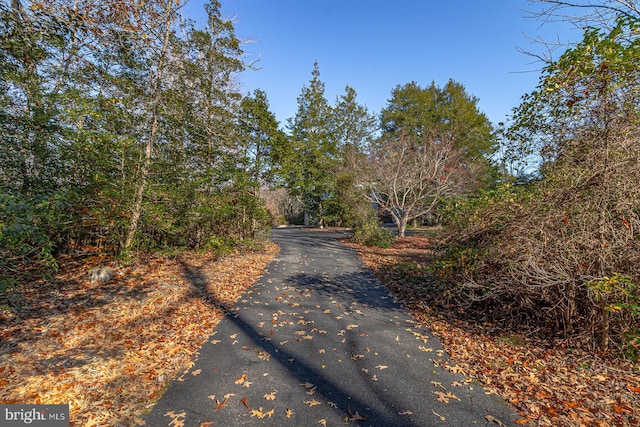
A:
<point x="372" y="234"/>
<point x="27" y="228"/>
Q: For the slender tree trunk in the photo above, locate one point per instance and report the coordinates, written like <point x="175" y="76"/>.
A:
<point x="136" y="210"/>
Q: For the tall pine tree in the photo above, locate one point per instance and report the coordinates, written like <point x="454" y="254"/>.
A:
<point x="312" y="153"/>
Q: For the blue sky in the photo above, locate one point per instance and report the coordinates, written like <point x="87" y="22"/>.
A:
<point x="375" y="45"/>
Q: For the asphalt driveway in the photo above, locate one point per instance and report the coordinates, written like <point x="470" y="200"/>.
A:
<point x="319" y="341"/>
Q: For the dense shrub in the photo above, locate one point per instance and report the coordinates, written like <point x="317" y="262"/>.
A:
<point x="372" y="234"/>
<point x="27" y="234"/>
<point x="563" y="255"/>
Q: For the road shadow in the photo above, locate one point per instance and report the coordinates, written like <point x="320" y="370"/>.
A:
<point x="359" y="287"/>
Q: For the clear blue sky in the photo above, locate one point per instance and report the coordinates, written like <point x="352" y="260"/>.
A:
<point x="375" y="45"/>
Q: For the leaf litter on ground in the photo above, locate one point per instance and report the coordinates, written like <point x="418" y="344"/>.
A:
<point x="110" y="349"/>
<point x="549" y="385"/>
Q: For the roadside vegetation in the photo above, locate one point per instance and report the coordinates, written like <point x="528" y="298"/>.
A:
<point x="550" y="382"/>
<point x="125" y="143"/>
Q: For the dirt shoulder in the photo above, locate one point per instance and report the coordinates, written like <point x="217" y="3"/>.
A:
<point x="110" y="349"/>
<point x="549" y="386"/>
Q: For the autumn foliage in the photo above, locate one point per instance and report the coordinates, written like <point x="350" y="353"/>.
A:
<point x="548" y="385"/>
<point x="110" y="349"/>
<point x="560" y="256"/>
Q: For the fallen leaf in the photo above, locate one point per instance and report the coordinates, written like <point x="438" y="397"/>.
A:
<point x="323" y="422"/>
<point x="405" y="413"/>
<point x="438" y="415"/>
<point x="357" y="417"/>
<point x="381" y="367"/>
<point x="262" y="355"/>
<point x="207" y="423"/>
<point x="438" y="384"/>
<point x="456" y="369"/>
<point x="288" y="413"/>
<point x="243" y="380"/>
<point x="333" y="405"/>
<point x="311" y="403"/>
<point x="177" y="420"/>
<point x="494" y="420"/>
<point x="219" y="404"/>
<point x="445" y="397"/>
<point x="270" y="396"/>
<point x="245" y="402"/>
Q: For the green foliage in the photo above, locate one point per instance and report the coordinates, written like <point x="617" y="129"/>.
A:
<point x="27" y="227"/>
<point x="460" y="213"/>
<point x="370" y="233"/>
<point x="92" y="130"/>
<point x="261" y="138"/>
<point x="310" y="158"/>
<point x="449" y="111"/>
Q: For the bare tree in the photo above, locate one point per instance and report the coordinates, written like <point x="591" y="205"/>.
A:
<point x="584" y="13"/>
<point x="406" y="176"/>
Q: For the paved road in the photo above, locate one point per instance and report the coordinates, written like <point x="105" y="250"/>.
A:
<point x="319" y="341"/>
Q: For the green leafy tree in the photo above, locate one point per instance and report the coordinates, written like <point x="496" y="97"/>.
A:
<point x="449" y="111"/>
<point x="260" y="139"/>
<point x="312" y="154"/>
<point x="353" y="128"/>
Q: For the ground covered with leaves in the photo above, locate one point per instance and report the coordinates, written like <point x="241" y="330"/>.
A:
<point x="110" y="349"/>
<point x="548" y="383"/>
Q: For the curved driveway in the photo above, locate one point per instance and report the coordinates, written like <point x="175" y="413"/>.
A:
<point x="319" y="341"/>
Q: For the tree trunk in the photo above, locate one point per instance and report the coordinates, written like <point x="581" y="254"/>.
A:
<point x="136" y="209"/>
<point x="400" y="220"/>
<point x="402" y="226"/>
